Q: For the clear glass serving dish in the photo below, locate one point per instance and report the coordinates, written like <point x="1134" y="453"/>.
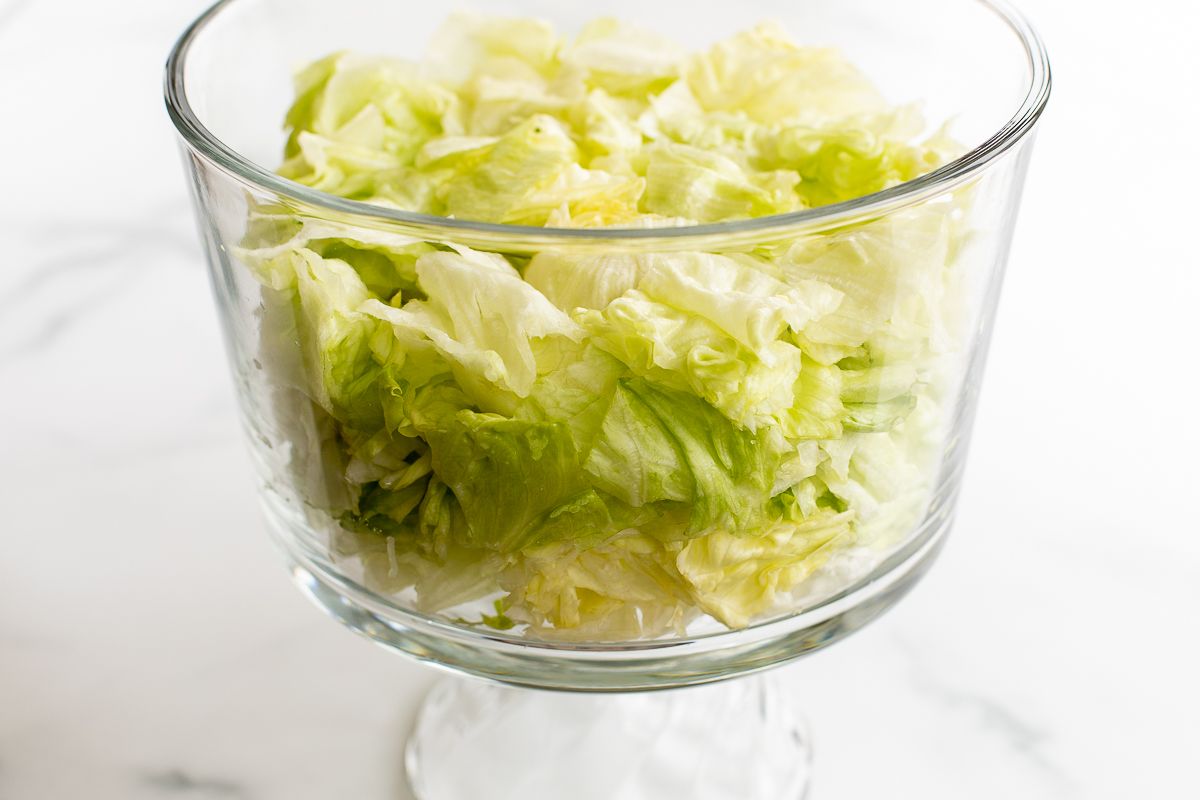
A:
<point x="917" y="267"/>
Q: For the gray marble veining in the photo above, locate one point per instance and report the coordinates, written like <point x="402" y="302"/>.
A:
<point x="178" y="783"/>
<point x="86" y="266"/>
<point x="11" y="10"/>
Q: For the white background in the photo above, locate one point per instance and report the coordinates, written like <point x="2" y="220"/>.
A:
<point x="152" y="646"/>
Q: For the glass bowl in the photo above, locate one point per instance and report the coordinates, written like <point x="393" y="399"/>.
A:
<point x="978" y="64"/>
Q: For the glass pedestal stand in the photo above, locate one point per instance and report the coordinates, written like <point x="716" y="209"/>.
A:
<point x="594" y="734"/>
<point x="736" y="739"/>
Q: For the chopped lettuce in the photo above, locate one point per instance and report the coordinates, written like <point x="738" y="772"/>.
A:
<point x="507" y="122"/>
<point x="488" y="324"/>
<point x="606" y="444"/>
<point x="764" y="75"/>
<point x="737" y="576"/>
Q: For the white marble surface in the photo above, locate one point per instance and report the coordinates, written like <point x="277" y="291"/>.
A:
<point x="151" y="645"/>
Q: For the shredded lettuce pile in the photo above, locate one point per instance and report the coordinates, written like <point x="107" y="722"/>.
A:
<point x="594" y="444"/>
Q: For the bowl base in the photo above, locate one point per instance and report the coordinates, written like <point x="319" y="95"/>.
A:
<point x="608" y="667"/>
<point x="738" y="739"/>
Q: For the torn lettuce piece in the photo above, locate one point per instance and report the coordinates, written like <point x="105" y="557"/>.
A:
<point x="578" y="393"/>
<point x="627" y="588"/>
<point x="853" y="156"/>
<point x="737" y="576"/>
<point x="335" y="339"/>
<point x="706" y="186"/>
<point x="731" y="471"/>
<point x="891" y="273"/>
<point x="469" y="44"/>
<point x="530" y="172"/>
<point x="751" y="306"/>
<point x="819" y="409"/>
<point x="496" y="189"/>
<point x="384" y="260"/>
<point x="394" y="564"/>
<point x="622" y="59"/>
<point x="591" y="281"/>
<point x="487" y="323"/>
<point x="359" y="120"/>
<point x="518" y="482"/>
<point x="765" y="75"/>
<point x="679" y="350"/>
<point x="384" y="511"/>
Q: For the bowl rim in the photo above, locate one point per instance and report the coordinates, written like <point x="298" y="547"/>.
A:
<point x="1019" y="125"/>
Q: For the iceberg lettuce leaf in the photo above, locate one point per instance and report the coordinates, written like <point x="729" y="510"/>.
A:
<point x="483" y="319"/>
<point x="737" y="576"/>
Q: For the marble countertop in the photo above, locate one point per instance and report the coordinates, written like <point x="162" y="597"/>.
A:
<point x="152" y="646"/>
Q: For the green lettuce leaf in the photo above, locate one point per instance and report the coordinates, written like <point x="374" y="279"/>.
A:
<point x="626" y="588"/>
<point x="736" y="577"/>
<point x="335" y="339"/>
<point x="675" y="349"/>
<point x="622" y="59"/>
<point x="488" y="324"/>
<point x="728" y="471"/>
<point x="518" y="482"/>
<point x="750" y="305"/>
<point x="706" y="186"/>
<point x="591" y="281"/>
<point x="763" y="74"/>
